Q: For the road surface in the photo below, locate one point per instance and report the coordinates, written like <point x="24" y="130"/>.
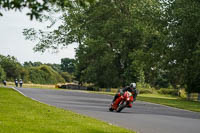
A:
<point x="143" y="117"/>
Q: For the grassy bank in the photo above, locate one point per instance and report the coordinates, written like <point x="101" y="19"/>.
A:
<point x="30" y="85"/>
<point x="171" y="101"/>
<point x="19" y="114"/>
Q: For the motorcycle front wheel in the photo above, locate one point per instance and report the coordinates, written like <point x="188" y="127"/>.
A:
<point x="111" y="109"/>
<point x="121" y="106"/>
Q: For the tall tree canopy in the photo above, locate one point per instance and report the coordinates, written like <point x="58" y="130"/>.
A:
<point x="12" y="67"/>
<point x="68" y="65"/>
<point x="107" y="32"/>
<point x="36" y="7"/>
<point x="184" y="42"/>
<point x="152" y="41"/>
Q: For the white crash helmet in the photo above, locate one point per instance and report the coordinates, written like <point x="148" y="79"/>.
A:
<point x="133" y="85"/>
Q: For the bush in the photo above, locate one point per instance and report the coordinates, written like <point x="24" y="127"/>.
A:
<point x="44" y="75"/>
<point x="183" y="93"/>
<point x="68" y="77"/>
<point x="145" y="91"/>
<point x="168" y="91"/>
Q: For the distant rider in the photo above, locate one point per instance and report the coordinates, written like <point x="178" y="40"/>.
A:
<point x="16" y="82"/>
<point x="4" y="82"/>
<point x="20" y="82"/>
<point x="131" y="88"/>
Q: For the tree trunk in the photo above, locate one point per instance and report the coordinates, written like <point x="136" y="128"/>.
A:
<point x="179" y="92"/>
<point x="188" y="96"/>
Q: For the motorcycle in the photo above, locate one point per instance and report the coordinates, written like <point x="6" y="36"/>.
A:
<point x="122" y="102"/>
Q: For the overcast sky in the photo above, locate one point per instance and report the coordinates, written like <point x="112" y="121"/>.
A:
<point x="12" y="41"/>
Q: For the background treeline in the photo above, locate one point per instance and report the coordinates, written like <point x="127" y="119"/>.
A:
<point x="36" y="72"/>
<point x="155" y="42"/>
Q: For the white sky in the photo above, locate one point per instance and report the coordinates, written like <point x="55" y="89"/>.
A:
<point x="12" y="41"/>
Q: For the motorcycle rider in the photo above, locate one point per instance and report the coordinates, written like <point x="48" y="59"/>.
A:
<point x="131" y="88"/>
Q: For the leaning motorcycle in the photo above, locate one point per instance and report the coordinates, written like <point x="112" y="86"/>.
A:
<point x="122" y="102"/>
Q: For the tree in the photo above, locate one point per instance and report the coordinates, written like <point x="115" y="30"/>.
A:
<point x="32" y="64"/>
<point x="36" y="7"/>
<point x="28" y="64"/>
<point x="108" y="32"/>
<point x="121" y="31"/>
<point x="96" y="65"/>
<point x="68" y="65"/>
<point x="11" y="66"/>
<point x="184" y="40"/>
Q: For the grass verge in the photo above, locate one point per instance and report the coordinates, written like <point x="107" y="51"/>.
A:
<point x="19" y="114"/>
<point x="26" y="85"/>
<point x="171" y="101"/>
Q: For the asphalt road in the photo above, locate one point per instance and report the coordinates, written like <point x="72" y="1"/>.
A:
<point x="143" y="117"/>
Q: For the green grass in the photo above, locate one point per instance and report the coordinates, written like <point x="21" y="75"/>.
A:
<point x="19" y="114"/>
<point x="171" y="101"/>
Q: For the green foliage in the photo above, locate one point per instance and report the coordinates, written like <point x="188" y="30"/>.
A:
<point x="183" y="43"/>
<point x="56" y="67"/>
<point x="68" y="77"/>
<point x="100" y="69"/>
<point x="44" y="75"/>
<point x="108" y="46"/>
<point x="168" y="91"/>
<point x="150" y="41"/>
<point x="145" y="91"/>
<point x="36" y="7"/>
<point x="162" y="80"/>
<point x="24" y="75"/>
<point x="35" y="72"/>
<point x="108" y="32"/>
<point x="2" y="74"/>
<point x="32" y="64"/>
<point x="68" y="65"/>
<point x="12" y="67"/>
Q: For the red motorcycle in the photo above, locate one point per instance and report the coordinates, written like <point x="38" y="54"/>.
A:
<point x="122" y="102"/>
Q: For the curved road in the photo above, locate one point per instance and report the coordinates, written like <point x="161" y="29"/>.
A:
<point x="143" y="117"/>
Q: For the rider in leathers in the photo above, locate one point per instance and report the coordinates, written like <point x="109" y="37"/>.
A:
<point x="131" y="88"/>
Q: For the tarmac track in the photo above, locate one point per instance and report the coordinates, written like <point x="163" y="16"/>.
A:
<point x="143" y="117"/>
